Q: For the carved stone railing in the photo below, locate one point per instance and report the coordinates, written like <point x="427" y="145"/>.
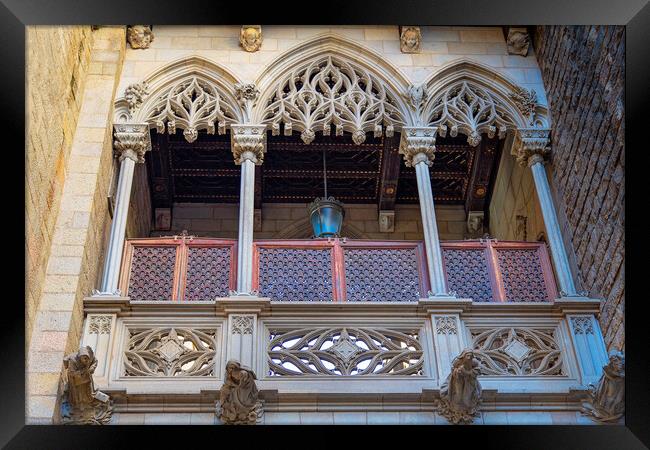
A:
<point x="198" y="269"/>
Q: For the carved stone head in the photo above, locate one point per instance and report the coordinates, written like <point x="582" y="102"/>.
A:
<point x="410" y="38"/>
<point x="518" y="41"/>
<point x="250" y="37"/>
<point x="617" y="361"/>
<point x="139" y="36"/>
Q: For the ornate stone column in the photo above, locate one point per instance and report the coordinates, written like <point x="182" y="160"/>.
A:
<point x="418" y="145"/>
<point x="248" y="146"/>
<point x="130" y="144"/>
<point x="531" y="147"/>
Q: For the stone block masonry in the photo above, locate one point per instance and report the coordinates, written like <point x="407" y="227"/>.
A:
<point x="583" y="69"/>
<point x="80" y="228"/>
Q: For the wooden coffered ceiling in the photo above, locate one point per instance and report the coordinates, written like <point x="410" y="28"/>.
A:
<point x="373" y="172"/>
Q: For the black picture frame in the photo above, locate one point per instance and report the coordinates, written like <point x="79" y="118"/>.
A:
<point x="634" y="14"/>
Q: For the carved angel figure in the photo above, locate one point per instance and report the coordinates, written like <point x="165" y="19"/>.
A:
<point x="608" y="398"/>
<point x="139" y="36"/>
<point x="460" y="394"/>
<point x="81" y="402"/>
<point x="238" y="399"/>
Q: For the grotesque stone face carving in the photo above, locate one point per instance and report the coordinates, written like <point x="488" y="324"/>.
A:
<point x="238" y="400"/>
<point x="460" y="394"/>
<point x="607" y="400"/>
<point x="139" y="36"/>
<point x="81" y="403"/>
<point x="518" y="41"/>
<point x="410" y="40"/>
<point x="250" y="37"/>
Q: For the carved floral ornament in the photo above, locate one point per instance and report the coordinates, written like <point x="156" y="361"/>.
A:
<point x="334" y="94"/>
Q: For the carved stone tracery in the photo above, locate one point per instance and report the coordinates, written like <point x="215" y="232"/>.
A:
<point x="329" y="91"/>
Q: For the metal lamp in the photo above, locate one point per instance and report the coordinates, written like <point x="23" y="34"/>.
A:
<point x="326" y="214"/>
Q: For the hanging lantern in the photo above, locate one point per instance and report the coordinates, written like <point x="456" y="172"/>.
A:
<point x="326" y="214"/>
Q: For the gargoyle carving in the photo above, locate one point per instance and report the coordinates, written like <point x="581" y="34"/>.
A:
<point x="607" y="400"/>
<point x="460" y="394"/>
<point x="81" y="403"/>
<point x="238" y="400"/>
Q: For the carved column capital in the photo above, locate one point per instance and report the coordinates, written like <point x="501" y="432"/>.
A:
<point x="131" y="141"/>
<point x="248" y="142"/>
<point x="417" y="144"/>
<point x="531" y="145"/>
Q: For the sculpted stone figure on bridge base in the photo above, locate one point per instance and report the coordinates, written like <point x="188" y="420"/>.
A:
<point x="460" y="394"/>
<point x="607" y="400"/>
<point x="81" y="403"/>
<point x="239" y="402"/>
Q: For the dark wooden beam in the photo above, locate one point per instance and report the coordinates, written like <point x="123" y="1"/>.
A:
<point x="480" y="181"/>
<point x="160" y="182"/>
<point x="388" y="179"/>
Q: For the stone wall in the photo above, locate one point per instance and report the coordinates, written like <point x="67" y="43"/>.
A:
<point x="583" y="71"/>
<point x="289" y="220"/>
<point x="57" y="64"/>
<point x="440" y="47"/>
<point x="514" y="197"/>
<point x="80" y="231"/>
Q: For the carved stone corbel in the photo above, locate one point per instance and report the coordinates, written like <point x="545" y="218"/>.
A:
<point x="248" y="142"/>
<point x="239" y="402"/>
<point x="250" y="37"/>
<point x="460" y="394"/>
<point x="131" y="141"/>
<point x="417" y="144"/>
<point x="409" y="39"/>
<point x="531" y="145"/>
<point x="607" y="400"/>
<point x="82" y="404"/>
<point x="475" y="224"/>
<point x="518" y="41"/>
<point x="139" y="36"/>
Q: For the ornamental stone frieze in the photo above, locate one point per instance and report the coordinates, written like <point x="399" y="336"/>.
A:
<point x="82" y="404"/>
<point x="460" y="394"/>
<point x="239" y="402"/>
<point x="417" y="144"/>
<point x="607" y="400"/>
<point x="139" y="36"/>
<point x="131" y="141"/>
<point x="531" y="145"/>
<point x="409" y="39"/>
<point x="250" y="37"/>
<point x="248" y="142"/>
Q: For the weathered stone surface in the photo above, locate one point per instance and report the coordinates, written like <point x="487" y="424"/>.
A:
<point x="583" y="72"/>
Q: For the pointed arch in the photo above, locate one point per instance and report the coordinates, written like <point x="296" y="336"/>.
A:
<point x="470" y="98"/>
<point x="190" y="94"/>
<point x="330" y="81"/>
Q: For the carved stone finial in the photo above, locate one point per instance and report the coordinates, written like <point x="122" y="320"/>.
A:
<point x="139" y="36"/>
<point x="250" y="37"/>
<point x="531" y="146"/>
<point x="131" y="141"/>
<point x="239" y="402"/>
<point x="135" y="95"/>
<point x="460" y="394"/>
<point x="409" y="39"/>
<point x="607" y="400"/>
<point x="82" y="404"/>
<point x="518" y="41"/>
<point x="526" y="102"/>
<point x="248" y="142"/>
<point x="417" y="144"/>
